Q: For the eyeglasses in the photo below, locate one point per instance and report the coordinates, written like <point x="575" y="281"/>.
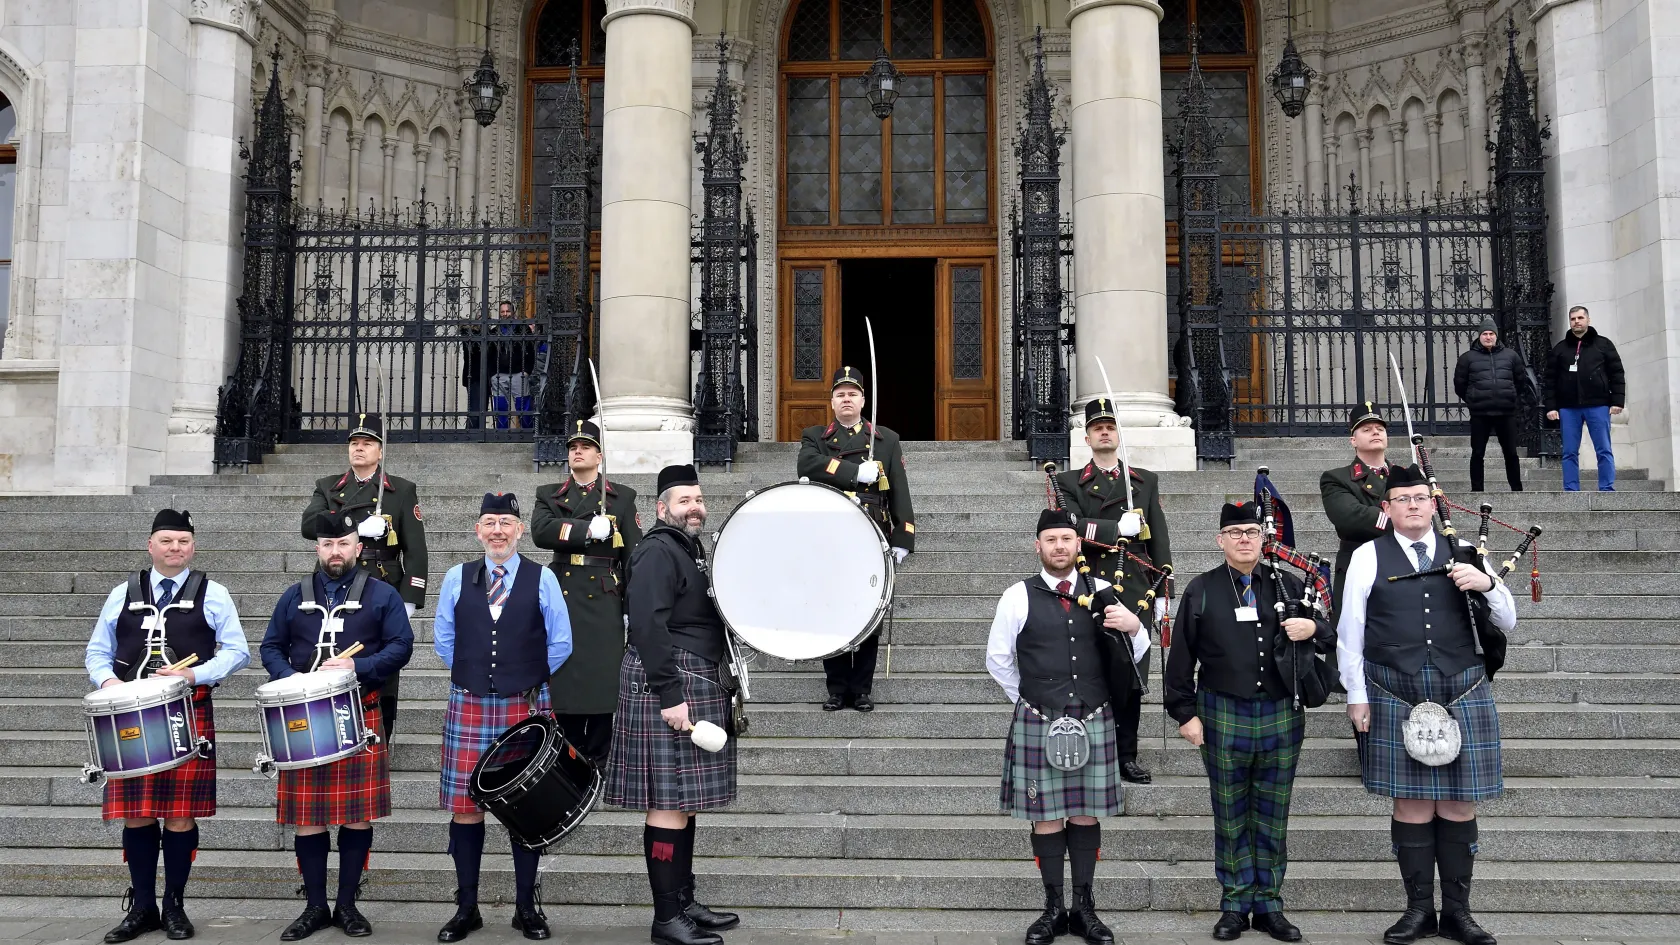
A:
<point x="504" y="521"/>
<point x="1408" y="500"/>
<point x="1241" y="534"/>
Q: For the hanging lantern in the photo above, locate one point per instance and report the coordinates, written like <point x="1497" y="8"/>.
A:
<point x="883" y="79"/>
<point x="486" y="90"/>
<point x="1291" y="81"/>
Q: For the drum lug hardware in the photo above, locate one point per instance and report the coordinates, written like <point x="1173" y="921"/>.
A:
<point x="92" y="774"/>
<point x="370" y="737"/>
<point x="204" y="747"/>
<point x="264" y="766"/>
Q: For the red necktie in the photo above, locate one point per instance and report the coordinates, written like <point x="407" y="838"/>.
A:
<point x="1064" y="587"/>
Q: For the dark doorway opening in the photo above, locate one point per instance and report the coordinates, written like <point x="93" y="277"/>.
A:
<point x="897" y="296"/>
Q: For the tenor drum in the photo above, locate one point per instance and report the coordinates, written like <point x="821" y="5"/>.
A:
<point x="800" y="572"/>
<point x="140" y="727"/>
<point x="311" y="719"/>
<point x="534" y="782"/>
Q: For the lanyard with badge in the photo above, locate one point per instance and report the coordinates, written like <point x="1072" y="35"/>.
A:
<point x="1575" y="365"/>
<point x="1243" y="613"/>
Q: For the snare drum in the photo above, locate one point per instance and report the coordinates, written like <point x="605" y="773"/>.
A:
<point x="139" y="728"/>
<point x="535" y="783"/>
<point x="311" y="719"/>
<point x="793" y="598"/>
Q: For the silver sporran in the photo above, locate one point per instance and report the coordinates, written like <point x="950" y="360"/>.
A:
<point x="1432" y="735"/>
<point x="1067" y="746"/>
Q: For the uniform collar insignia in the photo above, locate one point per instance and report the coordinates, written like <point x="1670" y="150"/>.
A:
<point x="1358" y="469"/>
<point x="342" y="480"/>
<point x="564" y="487"/>
<point x="830" y="429"/>
<point x="1090" y="470"/>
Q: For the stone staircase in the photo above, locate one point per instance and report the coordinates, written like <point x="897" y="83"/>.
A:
<point x="889" y="820"/>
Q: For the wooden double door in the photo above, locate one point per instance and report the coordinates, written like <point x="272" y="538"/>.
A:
<point x="935" y="323"/>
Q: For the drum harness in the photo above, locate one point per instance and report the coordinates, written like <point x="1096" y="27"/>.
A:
<point x="732" y="672"/>
<point x="326" y="641"/>
<point x="158" y="654"/>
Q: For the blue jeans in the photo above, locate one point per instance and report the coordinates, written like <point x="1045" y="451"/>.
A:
<point x="1597" y="420"/>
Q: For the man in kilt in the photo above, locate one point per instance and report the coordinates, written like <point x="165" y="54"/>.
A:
<point x="591" y="525"/>
<point x="1403" y="642"/>
<point x="116" y="653"/>
<point x="353" y="791"/>
<point x="1223" y="688"/>
<point x="501" y="628"/>
<point x="671" y="678"/>
<point x="1053" y="684"/>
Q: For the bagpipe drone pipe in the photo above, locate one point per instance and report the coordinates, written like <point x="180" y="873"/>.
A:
<point x="1311" y="677"/>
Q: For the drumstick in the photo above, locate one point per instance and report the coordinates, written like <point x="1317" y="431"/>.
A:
<point x="191" y="659"/>
<point x="351" y="651"/>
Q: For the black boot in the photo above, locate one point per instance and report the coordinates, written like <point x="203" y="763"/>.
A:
<point x="1414" y="847"/>
<point x="1455" y="856"/>
<point x="314" y="919"/>
<point x="1053" y="922"/>
<point x="176" y="925"/>
<point x="141" y="918"/>
<point x="672" y="926"/>
<point x="465" y="922"/>
<point x="1083" y="920"/>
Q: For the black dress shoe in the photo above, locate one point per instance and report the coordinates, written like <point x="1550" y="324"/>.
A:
<point x="139" y="921"/>
<point x="176" y="925"/>
<point x="706" y="917"/>
<point x="834" y="704"/>
<point x="351" y="920"/>
<point x="531" y="921"/>
<point x="1415" y="923"/>
<point x="1053" y="921"/>
<point x="683" y="931"/>
<point x="465" y="922"/>
<point x="863" y="703"/>
<point x="1134" y="772"/>
<point x="313" y="919"/>
<point x="1083" y="920"/>
<point x="1230" y="926"/>
<point x="1460" y="927"/>
<point x="1275" y="925"/>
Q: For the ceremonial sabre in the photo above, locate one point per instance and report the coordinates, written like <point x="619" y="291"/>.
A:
<point x="881" y="474"/>
<point x="1400" y="382"/>
<point x="600" y="424"/>
<point x="1125" y="456"/>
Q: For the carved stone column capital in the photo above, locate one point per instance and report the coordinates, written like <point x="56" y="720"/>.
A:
<point x="236" y="16"/>
<point x="388" y="146"/>
<point x="676" y="9"/>
<point x="1363" y="137"/>
<point x="315" y="70"/>
<point x="355" y="139"/>
<point x="452" y="158"/>
<point x="1432" y="124"/>
<point x="1474" y="50"/>
<point x="1397" y="132"/>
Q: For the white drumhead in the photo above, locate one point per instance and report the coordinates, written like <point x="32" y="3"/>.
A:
<point x="306" y="686"/>
<point x="800" y="572"/>
<point x="138" y="694"/>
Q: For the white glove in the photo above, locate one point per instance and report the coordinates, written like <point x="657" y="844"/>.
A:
<point x="899" y="554"/>
<point x="1131" y="525"/>
<point x="868" y="473"/>
<point x="410" y="608"/>
<point x="600" y="527"/>
<point x="1160" y="608"/>
<point x="372" y="527"/>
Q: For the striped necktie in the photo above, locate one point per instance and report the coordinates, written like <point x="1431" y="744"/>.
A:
<point x="498" y="593"/>
<point x="1248" y="590"/>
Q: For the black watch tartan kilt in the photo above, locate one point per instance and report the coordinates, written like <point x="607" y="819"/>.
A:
<point x="351" y="790"/>
<point x="1033" y="790"/>
<point x="1387" y="770"/>
<point x="186" y="790"/>
<point x="654" y="767"/>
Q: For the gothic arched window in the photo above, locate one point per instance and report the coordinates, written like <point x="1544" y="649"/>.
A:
<point x="1227" y="47"/>
<point x="559" y="27"/>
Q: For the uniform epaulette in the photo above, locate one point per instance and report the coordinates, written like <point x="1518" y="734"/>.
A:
<point x="1135" y="474"/>
<point x="610" y="489"/>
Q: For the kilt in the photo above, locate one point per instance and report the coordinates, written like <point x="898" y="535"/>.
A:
<point x="187" y="790"/>
<point x="1386" y="768"/>
<point x="1033" y="790"/>
<point x="351" y="790"/>
<point x="1250" y="751"/>
<point x="653" y="767"/>
<point x="470" y="724"/>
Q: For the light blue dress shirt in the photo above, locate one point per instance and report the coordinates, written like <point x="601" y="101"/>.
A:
<point x="232" y="652"/>
<point x="556" y="621"/>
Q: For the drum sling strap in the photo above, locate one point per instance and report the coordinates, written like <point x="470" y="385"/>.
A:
<point x="357" y="585"/>
<point x="156" y="640"/>
<point x="188" y="591"/>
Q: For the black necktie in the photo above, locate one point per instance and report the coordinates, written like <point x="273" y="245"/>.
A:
<point x="166" y="592"/>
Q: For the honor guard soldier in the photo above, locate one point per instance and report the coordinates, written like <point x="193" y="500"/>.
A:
<point x="1417" y="683"/>
<point x="354" y="791"/>
<point x="393" y="540"/>
<point x="1353" y="494"/>
<point x="1111" y="531"/>
<point x="126" y="645"/>
<point x="502" y="629"/>
<point x="671" y="680"/>
<point x="1223" y="688"/>
<point x="591" y="525"/>
<point x="1061" y="763"/>
<point x="838" y="455"/>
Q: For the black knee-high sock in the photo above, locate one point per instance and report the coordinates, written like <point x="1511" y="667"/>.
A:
<point x="353" y="849"/>
<point x="312" y="864"/>
<point x="179" y="848"/>
<point x="665" y="874"/>
<point x="525" y="863"/>
<point x="685" y="855"/>
<point x="466" y="845"/>
<point x="1083" y="842"/>
<point x="140" y="849"/>
<point x="1049" y="850"/>
<point x="1455" y="854"/>
<point x="1414" y="848"/>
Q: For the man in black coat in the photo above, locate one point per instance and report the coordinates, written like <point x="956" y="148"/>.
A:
<point x="1492" y="381"/>
<point x="1353" y="494"/>
<point x="1587" y="386"/>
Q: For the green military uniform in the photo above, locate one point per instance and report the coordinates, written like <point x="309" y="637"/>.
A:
<point x="398" y="559"/>
<point x="832" y="455"/>
<point x="1353" y="496"/>
<point x="592" y="573"/>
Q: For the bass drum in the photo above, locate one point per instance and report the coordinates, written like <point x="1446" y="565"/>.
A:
<point x="799" y="571"/>
<point x="534" y="782"/>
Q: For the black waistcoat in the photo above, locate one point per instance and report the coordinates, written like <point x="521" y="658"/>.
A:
<point x="186" y="631"/>
<point x="303" y="626"/>
<point x="1058" y="654"/>
<point x="1236" y="656"/>
<point x="1411" y="622"/>
<point x="502" y="657"/>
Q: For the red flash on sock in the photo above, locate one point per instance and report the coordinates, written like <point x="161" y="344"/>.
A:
<point x="1099" y="853"/>
<point x="193" y="855"/>
<point x="664" y="851"/>
<point x="1037" y="863"/>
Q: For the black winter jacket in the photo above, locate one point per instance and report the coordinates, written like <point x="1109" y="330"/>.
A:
<point x="1492" y="383"/>
<point x="1597" y="380"/>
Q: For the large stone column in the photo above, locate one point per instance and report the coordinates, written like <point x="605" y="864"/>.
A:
<point x="645" y="177"/>
<point x="1476" y="110"/>
<point x="1119" y="226"/>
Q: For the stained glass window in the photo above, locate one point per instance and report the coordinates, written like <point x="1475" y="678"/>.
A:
<point x="968" y="338"/>
<point x="808" y="324"/>
<point x="808" y="34"/>
<point x="807" y="152"/>
<point x="965" y="34"/>
<point x="912" y="29"/>
<point x="1227" y="94"/>
<point x="965" y="149"/>
<point x="1221" y="27"/>
<point x="912" y="151"/>
<point x="561" y="24"/>
<point x="860" y="28"/>
<point x="860" y="156"/>
<point x="1175" y="27"/>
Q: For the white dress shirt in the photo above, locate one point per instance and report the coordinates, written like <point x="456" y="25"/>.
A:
<point x="232" y="652"/>
<point x="1350" y="625"/>
<point x="1012" y="616"/>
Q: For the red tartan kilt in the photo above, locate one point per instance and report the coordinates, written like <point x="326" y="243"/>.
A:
<point x="351" y="790"/>
<point x="187" y="790"/>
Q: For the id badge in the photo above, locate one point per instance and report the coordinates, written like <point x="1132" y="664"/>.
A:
<point x="1248" y="615"/>
<point x="333" y="625"/>
<point x="1573" y="367"/>
<point x="148" y="622"/>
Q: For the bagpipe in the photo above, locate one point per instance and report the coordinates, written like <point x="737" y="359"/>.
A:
<point x="1277" y="535"/>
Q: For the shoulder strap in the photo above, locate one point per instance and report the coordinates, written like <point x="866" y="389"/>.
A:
<point x="307" y="587"/>
<point x="136" y="587"/>
<point x="192" y="590"/>
<point x="357" y="585"/>
<point x="473" y="572"/>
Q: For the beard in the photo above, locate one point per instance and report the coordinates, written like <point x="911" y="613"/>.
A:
<point x="336" y="570"/>
<point x="683" y="522"/>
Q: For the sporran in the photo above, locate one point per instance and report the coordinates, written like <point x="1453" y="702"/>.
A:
<point x="1067" y="745"/>
<point x="1432" y="735"/>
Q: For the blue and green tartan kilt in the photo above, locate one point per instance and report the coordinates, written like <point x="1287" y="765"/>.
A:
<point x="1386" y="768"/>
<point x="654" y="767"/>
<point x="1033" y="790"/>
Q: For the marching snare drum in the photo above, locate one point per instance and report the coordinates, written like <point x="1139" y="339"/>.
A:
<point x="139" y="728"/>
<point x="789" y="596"/>
<point x="311" y="719"/>
<point x="534" y="782"/>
